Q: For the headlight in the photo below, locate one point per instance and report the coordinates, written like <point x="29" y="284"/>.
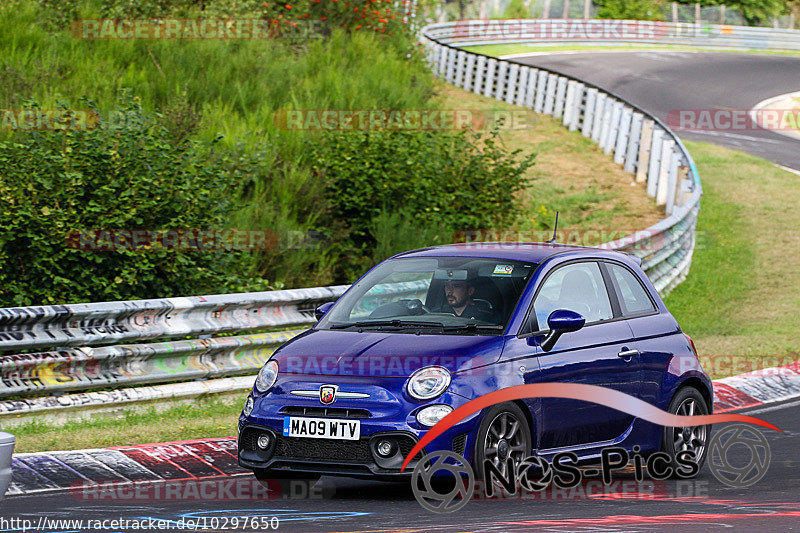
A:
<point x="248" y="406"/>
<point x="432" y="414"/>
<point x="267" y="376"/>
<point x="429" y="382"/>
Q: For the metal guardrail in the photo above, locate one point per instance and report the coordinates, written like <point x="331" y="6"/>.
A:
<point x="635" y="139"/>
<point x="599" y="32"/>
<point x="98" y="360"/>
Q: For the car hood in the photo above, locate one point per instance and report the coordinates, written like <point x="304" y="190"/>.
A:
<point x="372" y="353"/>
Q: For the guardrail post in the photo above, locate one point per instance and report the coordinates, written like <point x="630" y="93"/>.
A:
<point x="672" y="182"/>
<point x="522" y="85"/>
<point x="599" y="116"/>
<point x="613" y="128"/>
<point x="469" y="73"/>
<point x="480" y="74"/>
<point x="577" y="102"/>
<point x="632" y="150"/>
<point x="667" y="155"/>
<point x="530" y="90"/>
<point x="434" y="51"/>
<point x="655" y="161"/>
<point x="451" y="65"/>
<point x="644" y="150"/>
<point x="442" y="61"/>
<point x="561" y="90"/>
<point x="621" y="149"/>
<point x="513" y="86"/>
<point x="569" y="103"/>
<point x="502" y="72"/>
<point x="550" y="95"/>
<point x="541" y="84"/>
<point x="490" y="78"/>
<point x="460" y="60"/>
<point x="588" y="112"/>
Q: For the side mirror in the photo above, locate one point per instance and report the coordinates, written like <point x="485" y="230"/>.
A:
<point x="320" y="311"/>
<point x="561" y="321"/>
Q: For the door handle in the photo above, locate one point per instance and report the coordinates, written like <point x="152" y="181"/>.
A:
<point x="625" y="354"/>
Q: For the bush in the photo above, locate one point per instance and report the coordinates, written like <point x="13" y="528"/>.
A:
<point x="123" y="175"/>
<point x="630" y="9"/>
<point x="439" y="181"/>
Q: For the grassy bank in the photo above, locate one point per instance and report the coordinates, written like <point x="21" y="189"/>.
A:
<point x="741" y="296"/>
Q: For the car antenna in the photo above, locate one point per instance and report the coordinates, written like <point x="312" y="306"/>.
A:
<point x="553" y="240"/>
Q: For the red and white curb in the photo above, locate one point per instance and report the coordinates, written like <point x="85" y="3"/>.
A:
<point x="186" y="462"/>
<point x="757" y="388"/>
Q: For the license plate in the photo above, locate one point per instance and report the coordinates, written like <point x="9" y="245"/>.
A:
<point x="321" y="428"/>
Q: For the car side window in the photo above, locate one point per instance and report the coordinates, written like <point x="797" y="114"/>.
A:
<point x="576" y="287"/>
<point x="632" y="295"/>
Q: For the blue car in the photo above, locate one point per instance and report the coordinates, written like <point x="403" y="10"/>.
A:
<point x="426" y="331"/>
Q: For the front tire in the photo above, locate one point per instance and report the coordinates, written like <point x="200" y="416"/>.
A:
<point x="687" y="401"/>
<point x="503" y="433"/>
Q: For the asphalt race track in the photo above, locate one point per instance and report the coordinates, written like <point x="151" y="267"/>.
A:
<point x="661" y="81"/>
<point x="772" y="504"/>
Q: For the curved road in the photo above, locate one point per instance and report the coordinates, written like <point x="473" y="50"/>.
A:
<point x="658" y="82"/>
<point x="661" y="81"/>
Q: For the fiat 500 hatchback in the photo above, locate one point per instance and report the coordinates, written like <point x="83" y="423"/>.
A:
<point x="426" y="331"/>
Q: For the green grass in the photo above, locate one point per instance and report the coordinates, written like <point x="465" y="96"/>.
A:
<point x="741" y="297"/>
<point x="497" y="50"/>
<point x="205" y="418"/>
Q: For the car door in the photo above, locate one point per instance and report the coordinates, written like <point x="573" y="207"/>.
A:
<point x="657" y="335"/>
<point x="602" y="353"/>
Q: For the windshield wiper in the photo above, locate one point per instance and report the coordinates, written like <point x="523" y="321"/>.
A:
<point x="475" y="327"/>
<point x="394" y="324"/>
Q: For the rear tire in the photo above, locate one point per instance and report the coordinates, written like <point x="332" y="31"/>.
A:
<point x="687" y="401"/>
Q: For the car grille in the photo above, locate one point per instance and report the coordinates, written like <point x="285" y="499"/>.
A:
<point x="459" y="443"/>
<point x="248" y="438"/>
<point x="333" y="412"/>
<point x="340" y="451"/>
<point x="335" y="451"/>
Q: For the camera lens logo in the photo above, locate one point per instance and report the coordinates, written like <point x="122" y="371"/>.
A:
<point x="443" y="493"/>
<point x="535" y="474"/>
<point x="732" y="467"/>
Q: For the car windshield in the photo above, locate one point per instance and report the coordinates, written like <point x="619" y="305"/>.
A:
<point x="459" y="295"/>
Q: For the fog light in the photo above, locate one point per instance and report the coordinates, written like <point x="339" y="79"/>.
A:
<point x="432" y="414"/>
<point x="248" y="406"/>
<point x="263" y="441"/>
<point x="385" y="448"/>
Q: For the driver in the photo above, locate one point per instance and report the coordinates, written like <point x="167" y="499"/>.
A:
<point x="458" y="297"/>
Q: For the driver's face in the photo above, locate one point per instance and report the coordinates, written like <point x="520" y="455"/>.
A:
<point x="457" y="293"/>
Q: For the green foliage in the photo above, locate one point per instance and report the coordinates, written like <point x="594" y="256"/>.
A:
<point x="630" y="9"/>
<point x="212" y="105"/>
<point x="516" y="10"/>
<point x="123" y="175"/>
<point x="438" y="181"/>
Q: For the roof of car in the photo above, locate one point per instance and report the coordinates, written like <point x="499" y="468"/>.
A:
<point x="534" y="252"/>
